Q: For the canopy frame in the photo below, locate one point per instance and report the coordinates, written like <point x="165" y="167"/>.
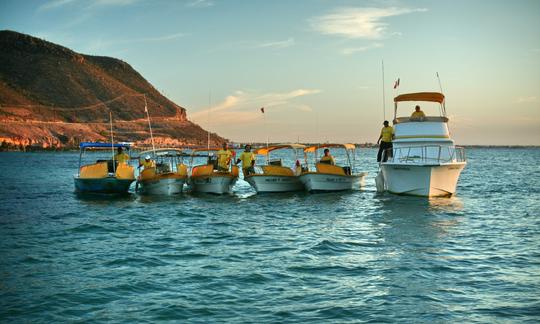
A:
<point x="421" y="96"/>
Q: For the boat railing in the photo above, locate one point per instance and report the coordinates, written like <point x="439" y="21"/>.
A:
<point x="426" y="154"/>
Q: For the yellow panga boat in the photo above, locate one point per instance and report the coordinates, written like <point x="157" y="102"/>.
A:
<point x="206" y="177"/>
<point x="103" y="176"/>
<point x="274" y="177"/>
<point x="166" y="176"/>
<point x="319" y="176"/>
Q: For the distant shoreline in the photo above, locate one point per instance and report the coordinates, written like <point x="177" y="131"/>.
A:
<point x="240" y="146"/>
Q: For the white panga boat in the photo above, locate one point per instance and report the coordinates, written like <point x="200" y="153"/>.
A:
<point x="207" y="178"/>
<point x="424" y="160"/>
<point x="274" y="177"/>
<point x="104" y="176"/>
<point x="166" y="176"/>
<point x="327" y="177"/>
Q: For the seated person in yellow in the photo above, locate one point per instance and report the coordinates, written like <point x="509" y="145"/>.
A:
<point x="121" y="157"/>
<point x="224" y="158"/>
<point x="327" y="158"/>
<point x="147" y="163"/>
<point x="417" y="114"/>
<point x="248" y="160"/>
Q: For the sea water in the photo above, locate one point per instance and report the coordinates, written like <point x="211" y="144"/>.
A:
<point x="339" y="257"/>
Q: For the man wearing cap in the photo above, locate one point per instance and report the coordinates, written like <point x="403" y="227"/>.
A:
<point x="387" y="134"/>
<point x="147" y="163"/>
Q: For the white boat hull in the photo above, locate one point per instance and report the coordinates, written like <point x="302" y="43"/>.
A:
<point x="422" y="180"/>
<point x="213" y="184"/>
<point x="269" y="183"/>
<point x="169" y="186"/>
<point x="331" y="182"/>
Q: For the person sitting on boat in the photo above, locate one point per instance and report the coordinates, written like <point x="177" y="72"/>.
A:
<point x="417" y="114"/>
<point x="297" y="168"/>
<point x="224" y="158"/>
<point x="327" y="158"/>
<point x="387" y="134"/>
<point x="147" y="163"/>
<point x="121" y="157"/>
<point x="248" y="160"/>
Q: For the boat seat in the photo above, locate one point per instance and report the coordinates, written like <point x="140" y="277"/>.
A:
<point x="330" y="169"/>
<point x="94" y="171"/>
<point x="277" y="170"/>
<point x="202" y="170"/>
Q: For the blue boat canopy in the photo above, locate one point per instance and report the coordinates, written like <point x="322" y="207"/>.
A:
<point x="101" y="145"/>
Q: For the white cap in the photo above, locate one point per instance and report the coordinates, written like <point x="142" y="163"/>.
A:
<point x="147" y="157"/>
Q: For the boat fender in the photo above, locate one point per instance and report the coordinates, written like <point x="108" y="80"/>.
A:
<point x="379" y="182"/>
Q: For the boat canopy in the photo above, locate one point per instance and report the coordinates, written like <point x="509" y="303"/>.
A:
<point x="163" y="151"/>
<point x="421" y="96"/>
<point x="266" y="150"/>
<point x="315" y="147"/>
<point x="85" y="145"/>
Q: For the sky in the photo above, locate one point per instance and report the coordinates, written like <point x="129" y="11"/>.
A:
<point x="315" y="66"/>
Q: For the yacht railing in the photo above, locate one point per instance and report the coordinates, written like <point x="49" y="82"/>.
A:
<point x="430" y="154"/>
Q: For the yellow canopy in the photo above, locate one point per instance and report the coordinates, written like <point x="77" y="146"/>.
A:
<point x="266" y="150"/>
<point x="421" y="96"/>
<point x="311" y="149"/>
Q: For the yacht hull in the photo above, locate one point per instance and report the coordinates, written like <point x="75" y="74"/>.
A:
<point x="331" y="182"/>
<point x="438" y="180"/>
<point x="268" y="183"/>
<point x="109" y="185"/>
<point x="168" y="186"/>
<point x="213" y="184"/>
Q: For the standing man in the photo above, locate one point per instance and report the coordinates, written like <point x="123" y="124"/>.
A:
<point x="248" y="160"/>
<point x="121" y="157"/>
<point x="387" y="134"/>
<point x="417" y="114"/>
<point x="224" y="158"/>
<point x="328" y="158"/>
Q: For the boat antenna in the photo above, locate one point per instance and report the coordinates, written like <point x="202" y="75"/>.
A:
<point x="149" y="124"/>
<point x="208" y="121"/>
<point x="383" y="95"/>
<point x="441" y="107"/>
<point x="112" y="141"/>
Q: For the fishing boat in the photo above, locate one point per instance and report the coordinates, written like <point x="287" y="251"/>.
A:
<point x="424" y="160"/>
<point x="274" y="177"/>
<point x="206" y="177"/>
<point x="319" y="176"/>
<point x="165" y="175"/>
<point x="105" y="176"/>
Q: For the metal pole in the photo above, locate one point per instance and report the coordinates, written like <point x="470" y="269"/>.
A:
<point x="112" y="142"/>
<point x="383" y="94"/>
<point x="149" y="125"/>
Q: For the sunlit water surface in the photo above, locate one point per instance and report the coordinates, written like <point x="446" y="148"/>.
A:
<point x="338" y="257"/>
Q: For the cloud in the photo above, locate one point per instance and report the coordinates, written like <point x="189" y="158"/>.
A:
<point x="242" y="106"/>
<point x="61" y="3"/>
<point x="279" y="44"/>
<point x="526" y="99"/>
<point x="157" y="38"/>
<point x="363" y="23"/>
<point x="349" y="51"/>
<point x="200" y="4"/>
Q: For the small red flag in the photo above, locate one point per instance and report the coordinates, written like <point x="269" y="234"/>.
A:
<point x="262" y="110"/>
<point x="396" y="84"/>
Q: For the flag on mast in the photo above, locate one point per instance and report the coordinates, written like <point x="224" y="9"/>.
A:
<point x="396" y="84"/>
<point x="262" y="110"/>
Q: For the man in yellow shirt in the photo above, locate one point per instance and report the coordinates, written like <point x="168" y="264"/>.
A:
<point x="327" y="158"/>
<point x="385" y="148"/>
<point x="224" y="158"/>
<point x="417" y="114"/>
<point x="147" y="163"/>
<point x="121" y="157"/>
<point x="248" y="160"/>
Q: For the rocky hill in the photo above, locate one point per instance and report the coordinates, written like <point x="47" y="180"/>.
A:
<point x="51" y="96"/>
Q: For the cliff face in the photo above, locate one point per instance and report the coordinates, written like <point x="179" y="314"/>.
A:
<point x="53" y="96"/>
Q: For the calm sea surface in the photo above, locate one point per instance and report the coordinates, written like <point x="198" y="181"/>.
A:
<point x="340" y="257"/>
